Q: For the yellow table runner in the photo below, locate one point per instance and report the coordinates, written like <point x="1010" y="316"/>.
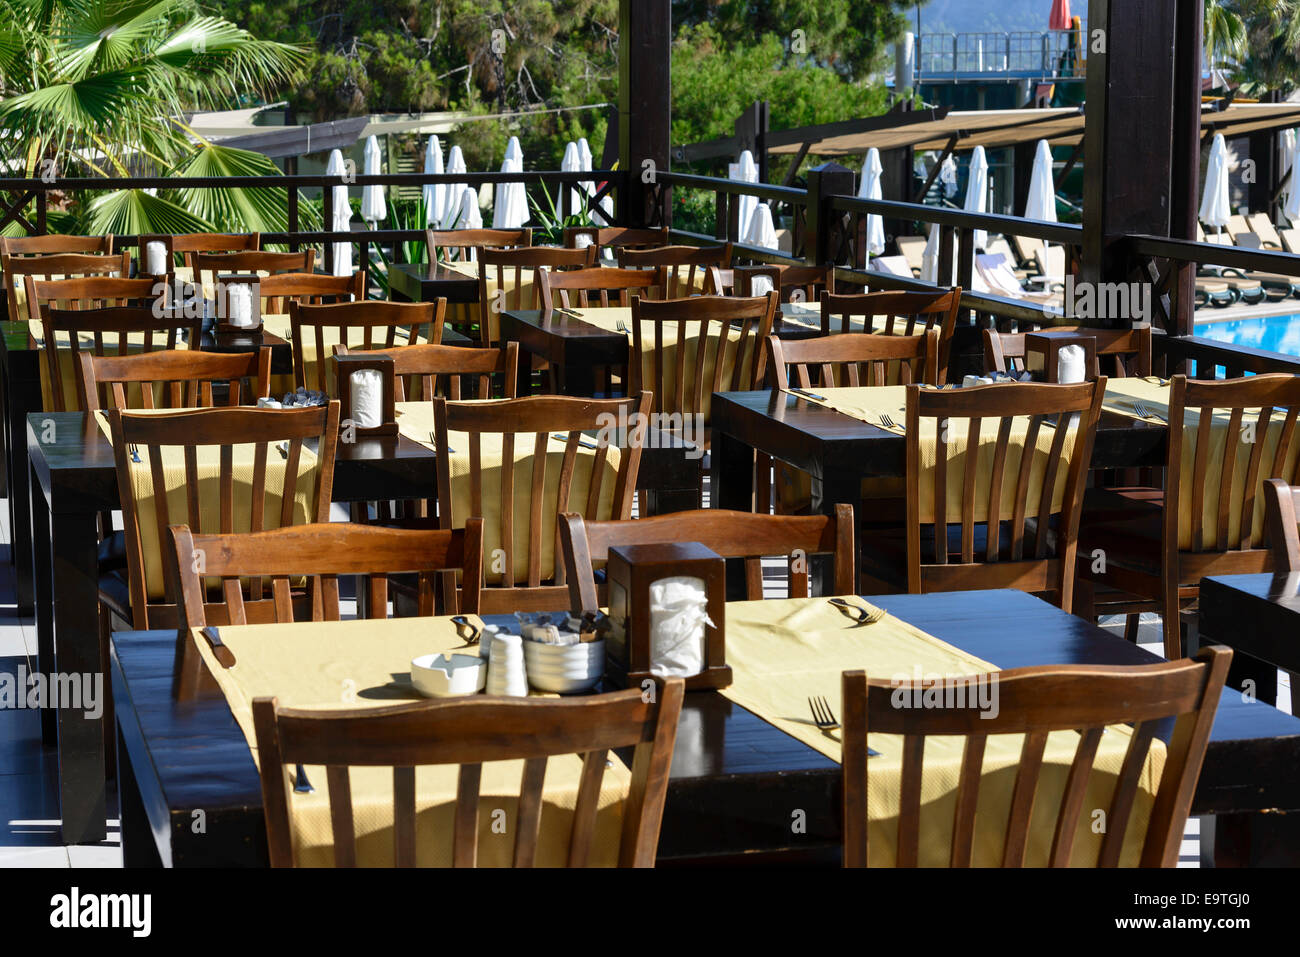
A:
<point x="783" y="651"/>
<point x="209" y="493"/>
<point x="364" y="664"/>
<point x="868" y="404"/>
<point x="415" y="421"/>
<point x="68" y="374"/>
<point x="1121" y="393"/>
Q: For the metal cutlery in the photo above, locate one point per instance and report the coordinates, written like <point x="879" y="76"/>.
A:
<point x="475" y="631"/>
<point x="225" y="657"/>
<point x="585" y="443"/>
<point x="863" y="616"/>
<point x="1144" y="413"/>
<point x="826" y="721"/>
<point x="433" y="441"/>
<point x="887" y="421"/>
<point x="621" y="327"/>
<point x="810" y="395"/>
<point x="135" y="453"/>
<point x="283" y="449"/>
<point x="300" y="782"/>
<point x="822" y="714"/>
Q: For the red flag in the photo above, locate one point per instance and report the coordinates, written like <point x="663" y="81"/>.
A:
<point x="1060" y="19"/>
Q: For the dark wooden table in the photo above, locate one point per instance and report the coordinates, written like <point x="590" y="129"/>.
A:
<point x="736" y="780"/>
<point x="579" y="350"/>
<point x="424" y="282"/>
<point x="838" y="451"/>
<point x="73" y="478"/>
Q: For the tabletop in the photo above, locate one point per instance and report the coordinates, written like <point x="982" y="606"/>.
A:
<point x="1259" y="617"/>
<point x="735" y="778"/>
<point x="419" y="282"/>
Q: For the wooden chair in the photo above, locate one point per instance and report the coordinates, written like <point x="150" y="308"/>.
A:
<point x="376" y="323"/>
<point x="454" y="372"/>
<point x="550" y="419"/>
<point x="684" y="270"/>
<point x="107" y="328"/>
<point x="186" y="245"/>
<point x="308" y="288"/>
<point x="616" y="237"/>
<point x="1006" y="530"/>
<point x="1281" y="506"/>
<point x="20" y="272"/>
<point x="54" y="243"/>
<point x="1127" y="351"/>
<point x="465" y="242"/>
<point x="207" y="266"/>
<point x="848" y="359"/>
<point x="319" y="554"/>
<point x="1158" y="558"/>
<point x="794" y="283"/>
<point x="1035" y="702"/>
<point x="621" y="282"/>
<point x="731" y="534"/>
<point x="509" y="279"/>
<point x="146" y="435"/>
<point x="469" y="732"/>
<point x="181" y="379"/>
<point x="853" y="359"/>
<point x="902" y="311"/>
<point x="706" y="325"/>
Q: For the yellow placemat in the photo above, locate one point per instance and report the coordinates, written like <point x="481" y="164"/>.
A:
<point x="209" y="494"/>
<point x="1121" y="393"/>
<point x="784" y="651"/>
<point x="415" y="421"/>
<point x="365" y="664"/>
<point x="869" y="404"/>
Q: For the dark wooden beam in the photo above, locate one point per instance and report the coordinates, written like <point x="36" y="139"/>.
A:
<point x="934" y="170"/>
<point x="1128" y="149"/>
<point x="644" y="101"/>
<point x="1185" y="174"/>
<point x="1069" y="164"/>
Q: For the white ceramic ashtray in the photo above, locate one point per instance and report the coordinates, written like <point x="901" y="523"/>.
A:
<point x="564" y="669"/>
<point x="444" y="676"/>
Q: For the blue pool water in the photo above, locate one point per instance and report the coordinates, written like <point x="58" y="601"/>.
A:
<point x="1275" y="333"/>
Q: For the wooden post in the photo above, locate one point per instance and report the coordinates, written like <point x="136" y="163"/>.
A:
<point x="644" y="98"/>
<point x="896" y="184"/>
<point x="1130" y="158"/>
<point x="1185" y="175"/>
<point x="1022" y="172"/>
<point x="823" y="245"/>
<point x="1263" y="151"/>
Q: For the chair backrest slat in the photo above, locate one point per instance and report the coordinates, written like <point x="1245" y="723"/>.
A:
<point x="933" y="310"/>
<point x="346" y="318"/>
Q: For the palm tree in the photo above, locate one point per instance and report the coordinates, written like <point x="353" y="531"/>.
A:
<point x="103" y="87"/>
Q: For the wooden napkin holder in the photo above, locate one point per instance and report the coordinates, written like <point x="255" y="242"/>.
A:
<point x="224" y="324"/>
<point x="629" y="573"/>
<point x="349" y="363"/>
<point x="1042" y="352"/>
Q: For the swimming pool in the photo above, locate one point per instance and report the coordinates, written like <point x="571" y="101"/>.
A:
<point x="1275" y="333"/>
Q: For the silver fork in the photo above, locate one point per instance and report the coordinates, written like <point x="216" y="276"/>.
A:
<point x="1144" y="413"/>
<point x="863" y="616"/>
<point x="887" y="422"/>
<point x="621" y="327"/>
<point x="822" y="714"/>
<point x="135" y="453"/>
<point x="300" y="782"/>
<point x="433" y="440"/>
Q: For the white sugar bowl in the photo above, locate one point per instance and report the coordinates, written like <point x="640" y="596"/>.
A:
<point x="565" y="669"/>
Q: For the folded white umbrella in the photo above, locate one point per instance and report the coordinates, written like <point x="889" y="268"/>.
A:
<point x="746" y="171"/>
<point x="510" y="205"/>
<point x="1291" y="151"/>
<point x="930" y="256"/>
<point x="869" y="188"/>
<point x="468" y="215"/>
<point x="585" y="160"/>
<point x="977" y="191"/>
<point x="948" y="176"/>
<point x="1041" y="203"/>
<point x="1215" y="207"/>
<point x="451" y="208"/>
<point x="373" y="207"/>
<point x="435" y="196"/>
<point x="572" y="163"/>
<point x="342" y="220"/>
<point x="761" y="231"/>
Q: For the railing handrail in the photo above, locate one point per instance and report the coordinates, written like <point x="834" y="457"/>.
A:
<point x="298" y="179"/>
<point x="1065" y="233"/>
<point x="1234" y="358"/>
<point x="1214" y="254"/>
<point x="735" y="187"/>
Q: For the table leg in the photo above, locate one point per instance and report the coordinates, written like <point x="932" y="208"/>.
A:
<point x="17" y="405"/>
<point x="43" y="600"/>
<point x="138" y="847"/>
<point x="577" y="379"/>
<point x="731" y="486"/>
<point x="77" y="652"/>
<point x="1251" y="840"/>
<point x="827" y="492"/>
